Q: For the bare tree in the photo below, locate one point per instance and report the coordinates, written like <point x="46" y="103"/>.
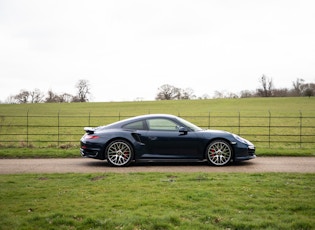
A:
<point x="267" y="86"/>
<point x="246" y="94"/>
<point x="297" y="87"/>
<point x="51" y="97"/>
<point x="65" y="97"/>
<point x="224" y="94"/>
<point x="168" y="92"/>
<point x="187" y="94"/>
<point x="283" y="92"/>
<point x="36" y="96"/>
<point x="83" y="88"/>
<point x="11" y="100"/>
<point x="204" y="96"/>
<point x="309" y="90"/>
<point x="218" y="94"/>
<point x="22" y="97"/>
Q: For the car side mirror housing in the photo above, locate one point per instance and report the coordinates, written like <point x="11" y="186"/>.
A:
<point x="183" y="130"/>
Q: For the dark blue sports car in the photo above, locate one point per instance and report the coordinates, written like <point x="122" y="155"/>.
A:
<point x="161" y="137"/>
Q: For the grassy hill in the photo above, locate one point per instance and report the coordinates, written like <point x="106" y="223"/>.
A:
<point x="247" y="106"/>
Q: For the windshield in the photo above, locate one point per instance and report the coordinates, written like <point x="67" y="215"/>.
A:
<point x="190" y="125"/>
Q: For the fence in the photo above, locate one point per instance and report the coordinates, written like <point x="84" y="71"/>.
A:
<point x="60" y="130"/>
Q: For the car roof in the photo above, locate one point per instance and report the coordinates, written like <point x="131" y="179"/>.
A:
<point x="138" y="118"/>
<point x="154" y="115"/>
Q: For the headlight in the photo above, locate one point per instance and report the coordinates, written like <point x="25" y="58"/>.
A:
<point x="242" y="140"/>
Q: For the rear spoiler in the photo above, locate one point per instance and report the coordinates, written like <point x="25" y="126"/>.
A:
<point x="89" y="130"/>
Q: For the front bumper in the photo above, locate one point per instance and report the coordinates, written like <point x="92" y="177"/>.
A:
<point x="246" y="153"/>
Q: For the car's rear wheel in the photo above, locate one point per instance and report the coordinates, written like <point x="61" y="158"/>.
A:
<point x="119" y="153"/>
<point x="219" y="153"/>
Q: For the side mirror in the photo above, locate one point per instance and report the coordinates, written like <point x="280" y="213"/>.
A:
<point x="183" y="130"/>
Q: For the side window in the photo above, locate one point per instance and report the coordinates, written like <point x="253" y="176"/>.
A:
<point x="162" y="124"/>
<point x="138" y="125"/>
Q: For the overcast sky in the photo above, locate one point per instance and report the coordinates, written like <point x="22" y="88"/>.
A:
<point x="127" y="49"/>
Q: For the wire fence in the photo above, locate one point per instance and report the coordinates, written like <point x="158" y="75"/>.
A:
<point x="63" y="130"/>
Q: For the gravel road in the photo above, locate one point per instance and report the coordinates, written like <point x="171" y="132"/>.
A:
<point x="85" y="165"/>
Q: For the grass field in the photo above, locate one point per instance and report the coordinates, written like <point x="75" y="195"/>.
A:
<point x="157" y="201"/>
<point x="247" y="106"/>
<point x="274" y="125"/>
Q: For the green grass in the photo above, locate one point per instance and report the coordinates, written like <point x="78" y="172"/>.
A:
<point x="54" y="129"/>
<point x="157" y="201"/>
<point x="49" y="152"/>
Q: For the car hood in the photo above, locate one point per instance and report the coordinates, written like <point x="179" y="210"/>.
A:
<point x="214" y="131"/>
<point x="230" y="136"/>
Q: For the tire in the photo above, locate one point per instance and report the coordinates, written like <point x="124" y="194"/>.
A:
<point x="119" y="153"/>
<point x="219" y="153"/>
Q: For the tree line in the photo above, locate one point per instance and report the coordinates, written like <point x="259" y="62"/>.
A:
<point x="37" y="96"/>
<point x="299" y="88"/>
<point x="167" y="92"/>
<point x="267" y="89"/>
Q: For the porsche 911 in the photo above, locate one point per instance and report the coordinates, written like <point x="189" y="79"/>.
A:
<point x="163" y="137"/>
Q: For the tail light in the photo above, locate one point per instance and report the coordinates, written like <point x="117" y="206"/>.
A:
<point x="91" y="137"/>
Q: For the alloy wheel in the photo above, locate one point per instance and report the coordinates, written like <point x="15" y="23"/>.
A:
<point x="119" y="153"/>
<point x="219" y="153"/>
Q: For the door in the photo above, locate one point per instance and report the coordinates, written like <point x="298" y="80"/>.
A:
<point x="163" y="140"/>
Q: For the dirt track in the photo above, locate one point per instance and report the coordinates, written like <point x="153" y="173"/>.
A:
<point x="84" y="165"/>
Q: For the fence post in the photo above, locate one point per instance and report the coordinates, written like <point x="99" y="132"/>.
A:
<point x="269" y="128"/>
<point x="27" y="124"/>
<point x="239" y="123"/>
<point x="89" y="119"/>
<point x="209" y="115"/>
<point x="58" y="127"/>
<point x="301" y="129"/>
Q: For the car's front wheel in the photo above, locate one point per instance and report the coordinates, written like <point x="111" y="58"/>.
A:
<point x="219" y="153"/>
<point x="119" y="153"/>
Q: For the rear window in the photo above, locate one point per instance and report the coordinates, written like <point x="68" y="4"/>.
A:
<point x="138" y="125"/>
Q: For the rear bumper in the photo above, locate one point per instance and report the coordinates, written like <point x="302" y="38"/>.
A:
<point x="89" y="151"/>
